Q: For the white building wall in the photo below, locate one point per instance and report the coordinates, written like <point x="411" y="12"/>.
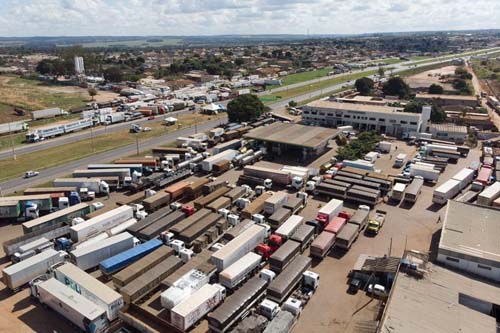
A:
<point x="486" y="271"/>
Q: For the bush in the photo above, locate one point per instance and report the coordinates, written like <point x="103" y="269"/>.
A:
<point x="357" y="148"/>
<point x="435" y="89"/>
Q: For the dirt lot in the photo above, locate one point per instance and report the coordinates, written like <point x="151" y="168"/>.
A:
<point x="425" y="79"/>
<point x="331" y="309"/>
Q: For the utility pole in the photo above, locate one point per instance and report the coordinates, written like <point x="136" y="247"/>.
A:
<point x="92" y="138"/>
<point x="390" y="247"/>
<point x="137" y="143"/>
<point x="12" y="143"/>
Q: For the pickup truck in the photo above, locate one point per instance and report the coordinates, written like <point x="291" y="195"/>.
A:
<point x="376" y="223"/>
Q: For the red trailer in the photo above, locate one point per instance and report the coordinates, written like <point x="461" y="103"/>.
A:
<point x="336" y="225"/>
<point x="484" y="175"/>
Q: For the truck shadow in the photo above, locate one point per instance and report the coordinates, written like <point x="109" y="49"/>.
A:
<point x="406" y="205"/>
<point x="43" y="320"/>
<point x="434" y="245"/>
<point x="434" y="207"/>
<point x="5" y="293"/>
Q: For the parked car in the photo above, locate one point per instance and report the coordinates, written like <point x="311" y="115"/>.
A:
<point x="354" y="286"/>
<point x="31" y="173"/>
<point x="377" y="290"/>
<point x="146" y="129"/>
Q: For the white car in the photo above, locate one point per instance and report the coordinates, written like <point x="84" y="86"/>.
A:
<point x="97" y="205"/>
<point x="31" y="173"/>
<point x="146" y="129"/>
<point x="377" y="290"/>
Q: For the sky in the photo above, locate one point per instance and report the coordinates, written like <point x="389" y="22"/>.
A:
<point x="216" y="17"/>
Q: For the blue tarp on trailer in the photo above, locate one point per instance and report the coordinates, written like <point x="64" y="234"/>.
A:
<point x="121" y="260"/>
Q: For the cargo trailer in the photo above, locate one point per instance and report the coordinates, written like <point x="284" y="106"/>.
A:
<point x="51" y="232"/>
<point x="148" y="220"/>
<point x="331" y="190"/>
<point x="489" y="194"/>
<point x="90" y="256"/>
<point x="237" y="229"/>
<point x="284" y="284"/>
<point x="65" y="215"/>
<point x="183" y="288"/>
<point x="427" y="173"/>
<point x="446" y="191"/>
<point x="133" y="167"/>
<point x="280" y="259"/>
<point x="279" y="217"/>
<point x="142" y="265"/>
<point x="90" y="288"/>
<point x="144" y="162"/>
<point x="17" y="275"/>
<point x="198" y="228"/>
<point x="156" y="201"/>
<point x="238" y="247"/>
<point x="100" y="223"/>
<point x="86" y="315"/>
<point x="10" y="210"/>
<point x="277" y="176"/>
<point x="238" y="272"/>
<point x="347" y="236"/>
<point x="50" y="190"/>
<point x="208" y="163"/>
<point x="200" y="262"/>
<point x="469" y="196"/>
<point x="295" y="204"/>
<point x="335" y="225"/>
<point x="165" y="223"/>
<point x="43" y="201"/>
<point x="484" y="175"/>
<point x="121" y="260"/>
<point x="237" y="305"/>
<point x="413" y="190"/>
<point x="360" y="217"/>
<point x="194" y="189"/>
<point x="190" y="221"/>
<point x="256" y="206"/>
<point x="232" y="144"/>
<point x="220" y="167"/>
<point x="121" y="173"/>
<point x="328" y="211"/>
<point x="208" y="198"/>
<point x="275" y="202"/>
<point x="150" y="280"/>
<point x="465" y="177"/>
<point x="220" y="203"/>
<point x="304" y="235"/>
<point x="96" y="185"/>
<point x="13" y="127"/>
<point x="322" y="244"/>
<point x="288" y="228"/>
<point x="235" y="193"/>
<point x="360" y="182"/>
<point x="398" y="191"/>
<point x="188" y="312"/>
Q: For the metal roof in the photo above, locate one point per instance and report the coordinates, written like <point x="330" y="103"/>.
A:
<point x="293" y="134"/>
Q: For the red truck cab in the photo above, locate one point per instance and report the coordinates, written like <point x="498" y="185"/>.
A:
<point x="266" y="250"/>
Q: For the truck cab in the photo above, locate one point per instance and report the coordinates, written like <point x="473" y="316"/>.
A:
<point x="74" y="198"/>
<point x="293" y="305"/>
<point x="310" y="281"/>
<point x="63" y="202"/>
<point x="31" y="211"/>
<point x="63" y="244"/>
<point x="139" y="211"/>
<point x="269" y="309"/>
<point x="376" y="223"/>
<point x="297" y="183"/>
<point x="268" y="183"/>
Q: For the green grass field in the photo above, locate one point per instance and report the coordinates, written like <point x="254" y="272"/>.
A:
<point x="417" y="58"/>
<point x="316" y="86"/>
<point x="452" y="56"/>
<point x="391" y="61"/>
<point x="305" y="76"/>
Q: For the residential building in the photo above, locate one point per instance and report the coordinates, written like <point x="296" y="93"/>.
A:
<point x="384" y="119"/>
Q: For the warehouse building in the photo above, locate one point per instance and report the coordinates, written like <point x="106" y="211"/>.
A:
<point x="430" y="298"/>
<point x="449" y="132"/>
<point x="384" y="119"/>
<point x="294" y="140"/>
<point x="470" y="239"/>
<point x="447" y="100"/>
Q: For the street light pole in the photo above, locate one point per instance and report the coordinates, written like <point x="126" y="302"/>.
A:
<point x="12" y="143"/>
<point x="137" y="143"/>
<point x="92" y="138"/>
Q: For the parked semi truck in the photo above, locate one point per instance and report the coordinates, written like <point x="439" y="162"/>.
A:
<point x="86" y="315"/>
<point x="328" y="211"/>
<point x="413" y="190"/>
<point x="95" y="185"/>
<point x="238" y="272"/>
<point x="183" y="288"/>
<point x="284" y="284"/>
<point x="446" y="191"/>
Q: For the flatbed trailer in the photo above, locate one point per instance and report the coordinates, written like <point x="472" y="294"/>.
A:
<point x="284" y="284"/>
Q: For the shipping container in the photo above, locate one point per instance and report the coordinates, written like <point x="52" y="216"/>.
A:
<point x="156" y="201"/>
<point x="284" y="255"/>
<point x="489" y="194"/>
<point x="198" y="228"/>
<point x="86" y="315"/>
<point x="65" y="215"/>
<point x="238" y="247"/>
<point x="100" y="223"/>
<point x="280" y="216"/>
<point x="205" y="200"/>
<point x="236" y="305"/>
<point x="187" y="313"/>
<point x="90" y="288"/>
<point x="142" y="265"/>
<point x="446" y="191"/>
<point x="256" y="206"/>
<point x="125" y="258"/>
<point x="17" y="275"/>
<point x="150" y="280"/>
<point x="322" y="244"/>
<point x="156" y="228"/>
<point x="238" y="272"/>
<point x="283" y="285"/>
<point x="90" y="256"/>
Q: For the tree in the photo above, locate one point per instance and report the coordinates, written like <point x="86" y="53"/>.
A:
<point x="113" y="74"/>
<point x="381" y="71"/>
<point x="239" y="61"/>
<point x="437" y="114"/>
<point x="92" y="92"/>
<point x="396" y="86"/>
<point x="46" y="66"/>
<point x="292" y="104"/>
<point x="435" y="89"/>
<point x="365" y="143"/>
<point x="244" y="108"/>
<point x="364" y="85"/>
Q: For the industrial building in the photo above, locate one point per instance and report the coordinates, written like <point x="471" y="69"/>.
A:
<point x="303" y="142"/>
<point x="449" y="132"/>
<point x="447" y="100"/>
<point x="430" y="298"/>
<point x="469" y="239"/>
<point x="384" y="119"/>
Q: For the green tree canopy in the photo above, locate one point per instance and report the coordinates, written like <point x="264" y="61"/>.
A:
<point x="245" y="108"/>
<point x="364" y="85"/>
<point x="435" y="89"/>
<point x="437" y="113"/>
<point x="364" y="143"/>
<point x="113" y="74"/>
<point x="396" y="86"/>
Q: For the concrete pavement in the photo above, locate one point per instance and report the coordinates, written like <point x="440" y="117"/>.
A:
<point x="46" y="175"/>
